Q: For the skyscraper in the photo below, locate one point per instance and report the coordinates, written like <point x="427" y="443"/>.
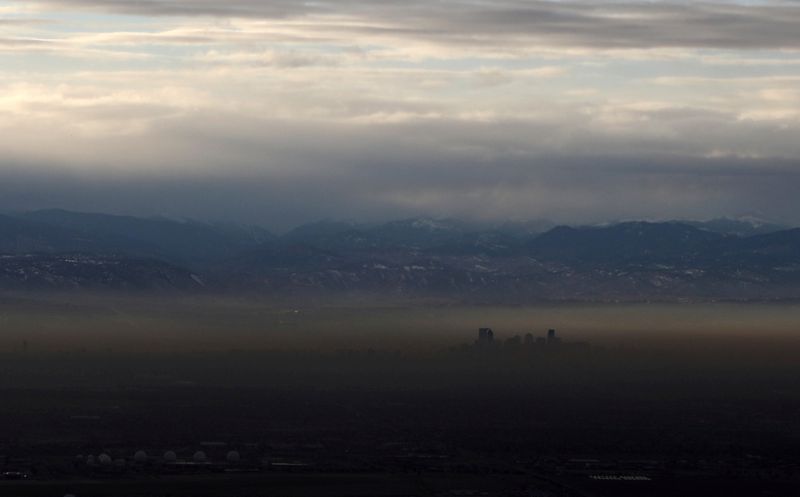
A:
<point x="485" y="336"/>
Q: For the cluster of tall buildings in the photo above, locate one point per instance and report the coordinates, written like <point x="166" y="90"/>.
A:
<point x="486" y="338"/>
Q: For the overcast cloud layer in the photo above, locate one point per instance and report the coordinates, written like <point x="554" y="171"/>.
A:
<point x="280" y="112"/>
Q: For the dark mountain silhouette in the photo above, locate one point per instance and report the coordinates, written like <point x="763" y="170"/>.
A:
<point x="404" y="234"/>
<point x="324" y="232"/>
<point x="762" y="251"/>
<point x="28" y="236"/>
<point x="412" y="258"/>
<point x="623" y="243"/>
<point x="738" y="227"/>
<point x="627" y="261"/>
<point x="182" y="242"/>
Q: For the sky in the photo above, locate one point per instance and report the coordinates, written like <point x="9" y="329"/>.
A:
<point x="280" y="112"/>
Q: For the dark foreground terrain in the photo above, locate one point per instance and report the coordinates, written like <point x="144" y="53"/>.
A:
<point x="100" y="406"/>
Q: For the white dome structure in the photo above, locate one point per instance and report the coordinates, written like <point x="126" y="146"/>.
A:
<point x="233" y="457"/>
<point x="199" y="456"/>
<point x="170" y="456"/>
<point x="140" y="457"/>
<point x="104" y="460"/>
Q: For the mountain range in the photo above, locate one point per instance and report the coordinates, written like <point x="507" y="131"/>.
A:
<point x="514" y="262"/>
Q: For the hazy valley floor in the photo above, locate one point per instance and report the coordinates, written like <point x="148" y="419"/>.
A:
<point x="667" y="392"/>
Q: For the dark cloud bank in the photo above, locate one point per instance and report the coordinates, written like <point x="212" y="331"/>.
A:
<point x="564" y="189"/>
<point x="603" y="24"/>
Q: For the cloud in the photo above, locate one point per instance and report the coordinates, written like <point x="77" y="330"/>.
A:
<point x="512" y="24"/>
<point x="284" y="112"/>
<point x="568" y="164"/>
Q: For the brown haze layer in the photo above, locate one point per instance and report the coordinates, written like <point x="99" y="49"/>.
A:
<point x="72" y="323"/>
